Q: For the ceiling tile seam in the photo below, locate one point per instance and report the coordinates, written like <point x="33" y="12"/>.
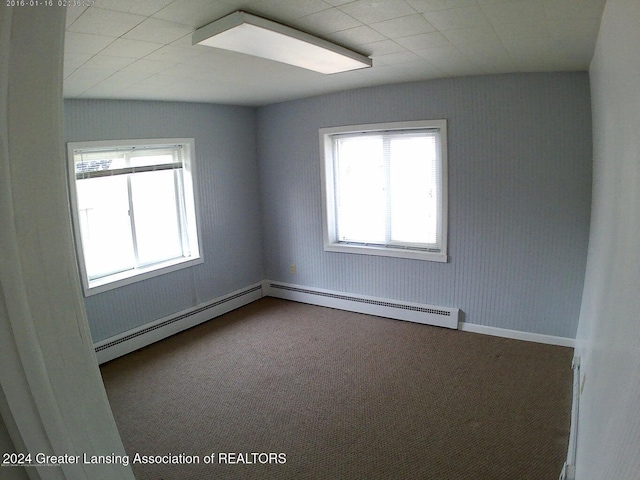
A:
<point x="513" y="60"/>
<point x="404" y="16"/>
<point x="91" y="9"/>
<point x="327" y="37"/>
<point x="95" y="55"/>
<point x="118" y="56"/>
<point x="329" y="7"/>
<point x="361" y="24"/>
<point x="117" y="38"/>
<point x="66" y="28"/>
<point x="369" y="25"/>
<point x="455" y="8"/>
<point x="546" y="26"/>
<point x="107" y="78"/>
<point x="158" y="10"/>
<point x="404" y="49"/>
<point x="152" y="18"/>
<point x="334" y="8"/>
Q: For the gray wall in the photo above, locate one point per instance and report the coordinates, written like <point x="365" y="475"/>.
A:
<point x="609" y="330"/>
<point x="519" y="197"/>
<point x="229" y="204"/>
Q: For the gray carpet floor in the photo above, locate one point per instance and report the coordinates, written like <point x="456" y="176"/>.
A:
<point x="283" y="390"/>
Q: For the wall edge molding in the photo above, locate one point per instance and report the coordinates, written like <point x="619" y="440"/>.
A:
<point x="518" y="335"/>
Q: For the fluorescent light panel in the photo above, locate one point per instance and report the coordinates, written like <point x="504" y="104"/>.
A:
<point x="246" y="33"/>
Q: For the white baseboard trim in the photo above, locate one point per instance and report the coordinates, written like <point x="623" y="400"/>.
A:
<point x="447" y="317"/>
<point x="382" y="307"/>
<point x="370" y="306"/>
<point x="149" y="333"/>
<point x="517" y="335"/>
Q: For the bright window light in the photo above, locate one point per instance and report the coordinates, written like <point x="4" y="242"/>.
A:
<point x="385" y="189"/>
<point x="134" y="210"/>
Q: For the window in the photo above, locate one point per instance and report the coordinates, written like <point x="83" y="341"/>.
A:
<point x="384" y="189"/>
<point x="134" y="210"/>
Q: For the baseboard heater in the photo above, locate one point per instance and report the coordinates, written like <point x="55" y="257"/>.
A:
<point x="152" y="332"/>
<point x="412" y="312"/>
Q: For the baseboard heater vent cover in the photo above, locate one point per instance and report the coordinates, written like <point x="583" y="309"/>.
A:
<point x="413" y="312"/>
<point x="152" y="332"/>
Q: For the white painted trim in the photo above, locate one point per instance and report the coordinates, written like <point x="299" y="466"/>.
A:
<point x="329" y="301"/>
<point x="381" y="251"/>
<point x="152" y="332"/>
<point x="160" y="329"/>
<point x="517" y="335"/>
<point x="382" y="307"/>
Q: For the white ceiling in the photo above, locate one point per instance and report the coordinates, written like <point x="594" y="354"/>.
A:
<point x="141" y="49"/>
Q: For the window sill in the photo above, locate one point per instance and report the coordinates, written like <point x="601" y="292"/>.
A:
<point x="100" y="285"/>
<point x="387" y="252"/>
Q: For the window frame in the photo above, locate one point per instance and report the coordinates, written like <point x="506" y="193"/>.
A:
<point x="329" y="211"/>
<point x="188" y="191"/>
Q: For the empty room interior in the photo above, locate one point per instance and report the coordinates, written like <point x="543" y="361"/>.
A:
<point x="320" y="239"/>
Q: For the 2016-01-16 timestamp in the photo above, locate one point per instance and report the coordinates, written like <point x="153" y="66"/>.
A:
<point x="50" y="3"/>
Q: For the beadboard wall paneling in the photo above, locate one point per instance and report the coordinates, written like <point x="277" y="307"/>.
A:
<point x="519" y="197"/>
<point x="227" y="186"/>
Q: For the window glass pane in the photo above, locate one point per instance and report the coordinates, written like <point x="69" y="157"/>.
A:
<point x="103" y="214"/>
<point x="360" y="190"/>
<point x="413" y="195"/>
<point x="385" y="189"/>
<point x="135" y="215"/>
<point x="158" y="234"/>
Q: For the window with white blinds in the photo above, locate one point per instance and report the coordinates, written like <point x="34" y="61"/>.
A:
<point x="134" y="209"/>
<point x="385" y="189"/>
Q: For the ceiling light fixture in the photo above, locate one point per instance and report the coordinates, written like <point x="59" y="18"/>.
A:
<point x="246" y="33"/>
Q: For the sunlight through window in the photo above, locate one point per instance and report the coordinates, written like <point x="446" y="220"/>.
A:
<point x="134" y="209"/>
<point x="385" y="189"/>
